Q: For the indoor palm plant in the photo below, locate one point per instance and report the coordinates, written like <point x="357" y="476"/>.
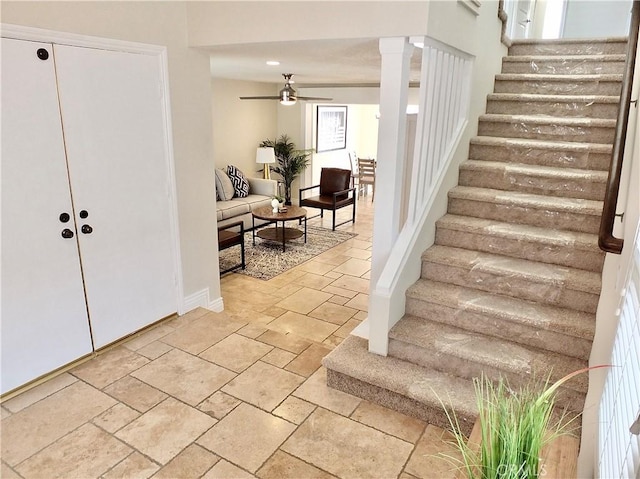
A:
<point x="290" y="161"/>
<point x="515" y="426"/>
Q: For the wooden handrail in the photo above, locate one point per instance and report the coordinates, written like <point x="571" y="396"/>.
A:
<point x="606" y="240"/>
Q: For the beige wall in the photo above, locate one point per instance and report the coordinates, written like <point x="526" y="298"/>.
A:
<point x="159" y="23"/>
<point x="240" y="125"/>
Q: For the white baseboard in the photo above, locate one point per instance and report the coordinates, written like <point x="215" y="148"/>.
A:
<point x="200" y="299"/>
<point x="216" y="305"/>
<point x="362" y="330"/>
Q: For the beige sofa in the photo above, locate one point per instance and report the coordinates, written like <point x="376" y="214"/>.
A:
<point x="261" y="192"/>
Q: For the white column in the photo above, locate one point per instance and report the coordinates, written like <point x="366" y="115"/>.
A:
<point x="394" y="90"/>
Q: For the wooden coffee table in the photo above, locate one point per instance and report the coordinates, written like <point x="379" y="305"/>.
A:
<point x="282" y="233"/>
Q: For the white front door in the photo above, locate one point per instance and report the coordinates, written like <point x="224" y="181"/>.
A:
<point x="44" y="316"/>
<point x="523" y="18"/>
<point x="114" y="123"/>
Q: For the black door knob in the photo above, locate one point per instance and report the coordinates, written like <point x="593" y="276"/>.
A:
<point x="67" y="233"/>
<point x="64" y="217"/>
<point x="86" y="229"/>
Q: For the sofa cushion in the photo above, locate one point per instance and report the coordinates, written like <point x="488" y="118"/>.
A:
<point x="240" y="183"/>
<point x="234" y="207"/>
<point x="224" y="187"/>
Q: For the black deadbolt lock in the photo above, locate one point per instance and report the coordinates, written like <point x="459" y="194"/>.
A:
<point x="43" y="54"/>
<point x="84" y="214"/>
<point x="64" y="217"/>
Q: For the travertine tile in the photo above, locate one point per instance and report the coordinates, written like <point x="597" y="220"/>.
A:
<point x="346" y="328"/>
<point x="154" y="350"/>
<point x="36" y="426"/>
<point x="203" y="332"/>
<point x="7" y="473"/>
<point x="404" y="475"/>
<point x="142" y="339"/>
<point x="218" y="405"/>
<point x="275" y="311"/>
<point x="361" y="302"/>
<point x="358" y="254"/>
<point x="247" y="436"/>
<point x="279" y="357"/>
<point x="183" y="376"/>
<point x="236" y="352"/>
<point x="116" y="417"/>
<point x="333" y="313"/>
<point x="353" y="267"/>
<point x="247" y="315"/>
<point x="334" y="290"/>
<point x="332" y="341"/>
<point x="253" y="330"/>
<point x="282" y="465"/>
<point x="345" y="448"/>
<point x="86" y="452"/>
<point x="386" y="420"/>
<point x="289" y="342"/>
<point x="316" y="391"/>
<point x="263" y="385"/>
<point x="191" y="463"/>
<point x="226" y="470"/>
<point x="315" y="267"/>
<point x="359" y="244"/>
<point x="314" y="281"/>
<point x="331" y="258"/>
<point x="303" y="326"/>
<point x="4" y="413"/>
<point x="39" y="392"/>
<point x="308" y="361"/>
<point x="333" y="274"/>
<point x="134" y="393"/>
<point x="294" y="410"/>
<point x="361" y="315"/>
<point x="162" y="432"/>
<point x="335" y="299"/>
<point x="135" y="466"/>
<point x="351" y="283"/>
<point x="426" y="461"/>
<point x="304" y="301"/>
<point x="109" y="367"/>
<point x="284" y="291"/>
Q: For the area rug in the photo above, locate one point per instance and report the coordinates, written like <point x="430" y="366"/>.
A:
<point x="266" y="259"/>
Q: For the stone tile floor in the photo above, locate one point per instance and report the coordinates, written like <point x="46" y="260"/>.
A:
<point x="238" y="394"/>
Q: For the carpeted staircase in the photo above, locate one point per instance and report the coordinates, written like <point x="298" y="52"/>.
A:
<point x="511" y="286"/>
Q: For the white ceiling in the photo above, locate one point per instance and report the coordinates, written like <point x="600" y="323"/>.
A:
<point x="313" y="62"/>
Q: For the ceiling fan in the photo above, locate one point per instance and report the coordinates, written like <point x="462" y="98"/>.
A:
<point x="287" y="95"/>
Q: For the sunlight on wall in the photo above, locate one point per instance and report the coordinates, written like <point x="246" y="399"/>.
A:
<point x="553" y="17"/>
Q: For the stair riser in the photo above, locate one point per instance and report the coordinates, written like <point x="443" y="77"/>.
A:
<point x="544" y="157"/>
<point x="536" y="131"/>
<point x="453" y="365"/>
<point x="607" y="111"/>
<point x="555" y="294"/>
<point x="523" y="249"/>
<point x="545" y="87"/>
<point x="563" y="67"/>
<point x="432" y="414"/>
<point x="516" y="181"/>
<point x="497" y="327"/>
<point x="561" y="220"/>
<point x="586" y="48"/>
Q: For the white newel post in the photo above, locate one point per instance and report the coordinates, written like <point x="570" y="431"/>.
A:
<point x="394" y="90"/>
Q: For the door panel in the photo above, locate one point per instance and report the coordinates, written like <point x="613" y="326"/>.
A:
<point x="116" y="148"/>
<point x="44" y="317"/>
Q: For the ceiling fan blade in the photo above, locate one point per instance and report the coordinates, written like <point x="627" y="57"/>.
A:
<point x="314" y="98"/>
<point x="259" y="97"/>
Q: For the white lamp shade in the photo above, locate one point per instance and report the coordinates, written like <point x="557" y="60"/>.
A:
<point x="265" y="155"/>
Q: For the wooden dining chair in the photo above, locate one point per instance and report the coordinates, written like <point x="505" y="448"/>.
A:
<point x="367" y="175"/>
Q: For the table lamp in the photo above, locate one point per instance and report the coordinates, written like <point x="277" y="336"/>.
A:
<point x="265" y="156"/>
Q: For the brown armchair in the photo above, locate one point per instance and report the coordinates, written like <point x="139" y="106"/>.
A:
<point x="335" y="193"/>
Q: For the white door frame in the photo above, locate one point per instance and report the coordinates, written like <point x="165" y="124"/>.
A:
<point x="20" y="32"/>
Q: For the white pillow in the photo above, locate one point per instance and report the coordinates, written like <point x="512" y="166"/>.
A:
<point x="224" y="187"/>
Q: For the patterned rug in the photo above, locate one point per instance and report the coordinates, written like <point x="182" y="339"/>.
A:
<point x="266" y="259"/>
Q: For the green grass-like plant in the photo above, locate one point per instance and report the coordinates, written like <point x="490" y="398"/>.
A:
<point x="515" y="426"/>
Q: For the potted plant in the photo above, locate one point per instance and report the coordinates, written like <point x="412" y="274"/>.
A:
<point x="514" y="428"/>
<point x="290" y="161"/>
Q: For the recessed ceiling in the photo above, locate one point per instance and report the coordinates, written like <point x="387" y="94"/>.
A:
<point x="313" y="62"/>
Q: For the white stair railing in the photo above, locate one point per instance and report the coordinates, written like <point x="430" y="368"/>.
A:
<point x="442" y="118"/>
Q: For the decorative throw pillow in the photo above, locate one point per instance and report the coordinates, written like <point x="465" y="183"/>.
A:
<point x="224" y="187"/>
<point x="240" y="183"/>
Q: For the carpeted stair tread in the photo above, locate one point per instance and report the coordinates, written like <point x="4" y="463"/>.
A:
<point x="425" y="386"/>
<point x="466" y="354"/>
<point x="565" y="248"/>
<point x="565" y="106"/>
<point x="549" y="120"/>
<point x="558" y="84"/>
<point x="586" y="77"/>
<point x="616" y="57"/>
<point x="534" y="97"/>
<point x="543" y="180"/>
<point x="575" y="279"/>
<point x="559" y="154"/>
<point x="507" y="309"/>
<point x="563" y="46"/>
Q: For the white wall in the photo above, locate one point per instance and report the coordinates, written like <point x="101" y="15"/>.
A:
<point x="240" y="125"/>
<point x="159" y="23"/>
<point x="593" y="19"/>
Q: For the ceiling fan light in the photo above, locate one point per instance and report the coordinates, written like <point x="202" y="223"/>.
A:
<point x="288" y="96"/>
